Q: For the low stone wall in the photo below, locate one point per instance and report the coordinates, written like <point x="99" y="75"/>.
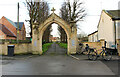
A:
<point x="19" y="48"/>
<point x="97" y="45"/>
<point x="118" y="46"/>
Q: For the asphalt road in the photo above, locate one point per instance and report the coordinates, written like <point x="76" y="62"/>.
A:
<point x="55" y="62"/>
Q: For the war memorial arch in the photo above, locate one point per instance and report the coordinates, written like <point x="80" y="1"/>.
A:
<point x="70" y="30"/>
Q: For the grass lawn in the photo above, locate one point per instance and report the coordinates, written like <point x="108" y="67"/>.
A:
<point x="46" y="46"/>
<point x="63" y="45"/>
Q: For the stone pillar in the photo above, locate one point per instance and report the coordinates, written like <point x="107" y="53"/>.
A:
<point x="1" y="49"/>
<point x="73" y="40"/>
<point x="35" y="42"/>
<point x="118" y="46"/>
<point x="102" y="42"/>
<point x="5" y="48"/>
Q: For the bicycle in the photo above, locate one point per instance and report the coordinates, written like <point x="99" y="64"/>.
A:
<point x="93" y="54"/>
<point x="83" y="49"/>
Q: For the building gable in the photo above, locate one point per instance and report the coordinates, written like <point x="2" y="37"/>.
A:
<point x="106" y="29"/>
<point x="11" y="22"/>
<point x="8" y="23"/>
<point x="114" y="14"/>
<point x="2" y="35"/>
<point x="6" y="31"/>
<point x="20" y="24"/>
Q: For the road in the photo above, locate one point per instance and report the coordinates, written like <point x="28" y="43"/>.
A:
<point x="55" y="62"/>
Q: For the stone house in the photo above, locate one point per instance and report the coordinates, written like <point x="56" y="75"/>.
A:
<point x="8" y="29"/>
<point x="109" y="27"/>
<point x="93" y="37"/>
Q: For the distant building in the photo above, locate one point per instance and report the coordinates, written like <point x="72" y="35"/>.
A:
<point x="22" y="32"/>
<point x="50" y="38"/>
<point x="93" y="37"/>
<point x="8" y="29"/>
<point x="53" y="39"/>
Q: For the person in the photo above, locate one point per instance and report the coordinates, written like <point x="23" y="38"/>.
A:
<point x="105" y="44"/>
<point x="87" y="47"/>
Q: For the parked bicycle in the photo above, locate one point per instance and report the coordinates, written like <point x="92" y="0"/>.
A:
<point x="93" y="54"/>
<point x="83" y="49"/>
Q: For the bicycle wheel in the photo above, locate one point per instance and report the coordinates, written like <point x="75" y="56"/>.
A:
<point x="107" y="55"/>
<point x="92" y="55"/>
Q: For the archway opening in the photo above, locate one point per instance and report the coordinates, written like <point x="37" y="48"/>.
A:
<point x="54" y="39"/>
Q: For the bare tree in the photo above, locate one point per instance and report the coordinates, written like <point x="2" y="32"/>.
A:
<point x="63" y="35"/>
<point x="71" y="11"/>
<point x="64" y="12"/>
<point x="46" y="35"/>
<point x="75" y="10"/>
<point x="38" y="12"/>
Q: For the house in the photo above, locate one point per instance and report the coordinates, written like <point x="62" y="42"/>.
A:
<point x="54" y="39"/>
<point x="5" y="33"/>
<point x="109" y="27"/>
<point x="8" y="29"/>
<point x="93" y="37"/>
<point x="22" y="32"/>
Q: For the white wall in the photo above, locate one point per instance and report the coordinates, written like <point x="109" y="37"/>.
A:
<point x="90" y="38"/>
<point x="106" y="29"/>
<point x="118" y="30"/>
<point x="93" y="37"/>
<point x="96" y="37"/>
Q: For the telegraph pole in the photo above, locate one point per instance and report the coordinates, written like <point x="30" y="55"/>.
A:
<point x="18" y="24"/>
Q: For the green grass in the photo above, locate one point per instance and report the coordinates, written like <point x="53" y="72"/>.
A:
<point x="46" y="46"/>
<point x="63" y="45"/>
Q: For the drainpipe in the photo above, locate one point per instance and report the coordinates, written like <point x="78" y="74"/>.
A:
<point x="115" y="33"/>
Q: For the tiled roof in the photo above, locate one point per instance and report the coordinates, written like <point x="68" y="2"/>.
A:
<point x="5" y="30"/>
<point x="114" y="14"/>
<point x="20" y="24"/>
<point x="15" y="23"/>
<point x="12" y="22"/>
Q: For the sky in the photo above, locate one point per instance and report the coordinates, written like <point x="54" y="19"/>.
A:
<point x="93" y="9"/>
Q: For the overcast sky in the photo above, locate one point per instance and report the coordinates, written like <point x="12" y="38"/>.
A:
<point x="8" y="8"/>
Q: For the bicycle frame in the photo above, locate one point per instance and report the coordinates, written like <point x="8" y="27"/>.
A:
<point x="103" y="50"/>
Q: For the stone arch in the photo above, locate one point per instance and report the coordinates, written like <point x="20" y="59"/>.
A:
<point x="71" y="34"/>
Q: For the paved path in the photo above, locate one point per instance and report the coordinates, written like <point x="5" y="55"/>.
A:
<point x="55" y="64"/>
<point x="56" y="50"/>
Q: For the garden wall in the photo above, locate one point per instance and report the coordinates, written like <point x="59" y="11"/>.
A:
<point x="97" y="45"/>
<point x="118" y="46"/>
<point x="19" y="48"/>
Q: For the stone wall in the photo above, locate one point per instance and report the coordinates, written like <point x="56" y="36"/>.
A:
<point x="97" y="45"/>
<point x="19" y="48"/>
<point x="118" y="46"/>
